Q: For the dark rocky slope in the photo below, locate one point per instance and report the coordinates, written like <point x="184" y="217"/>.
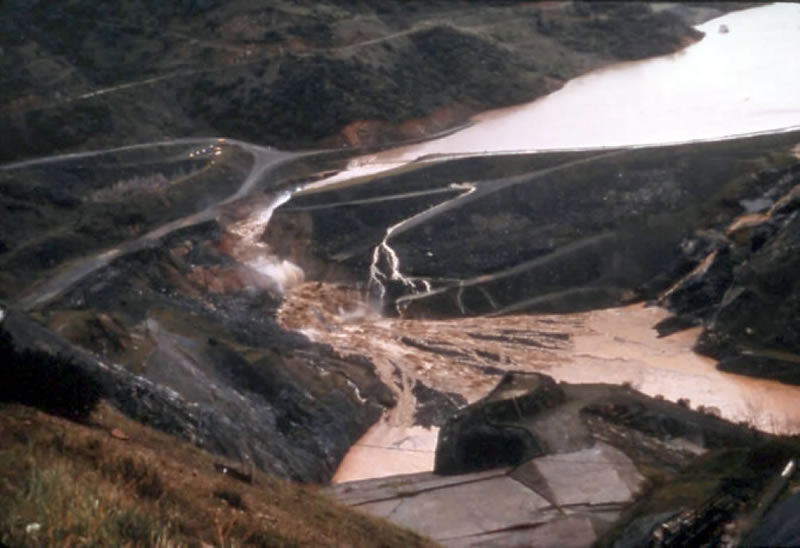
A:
<point x="745" y="284"/>
<point x="213" y="368"/>
<point x="149" y="302"/>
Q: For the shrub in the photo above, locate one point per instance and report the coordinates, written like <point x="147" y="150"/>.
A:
<point x="140" y="475"/>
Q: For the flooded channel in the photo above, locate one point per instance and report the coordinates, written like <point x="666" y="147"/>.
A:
<point x="617" y="346"/>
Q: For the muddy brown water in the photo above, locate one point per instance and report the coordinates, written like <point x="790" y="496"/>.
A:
<point x="617" y="345"/>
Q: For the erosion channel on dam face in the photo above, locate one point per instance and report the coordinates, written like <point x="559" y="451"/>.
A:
<point x="527" y="262"/>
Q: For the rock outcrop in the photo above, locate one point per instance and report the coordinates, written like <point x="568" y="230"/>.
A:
<point x="746" y="289"/>
<point x="262" y="413"/>
<point x="488" y="435"/>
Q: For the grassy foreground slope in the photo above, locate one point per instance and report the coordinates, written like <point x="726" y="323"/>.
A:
<point x="114" y="482"/>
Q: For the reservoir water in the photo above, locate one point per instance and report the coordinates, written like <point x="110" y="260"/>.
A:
<point x="739" y="82"/>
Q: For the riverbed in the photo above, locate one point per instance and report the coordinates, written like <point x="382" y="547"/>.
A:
<point x="617" y="346"/>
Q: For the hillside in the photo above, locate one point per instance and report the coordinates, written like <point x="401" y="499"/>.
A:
<point x="114" y="482"/>
<point x="291" y="74"/>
